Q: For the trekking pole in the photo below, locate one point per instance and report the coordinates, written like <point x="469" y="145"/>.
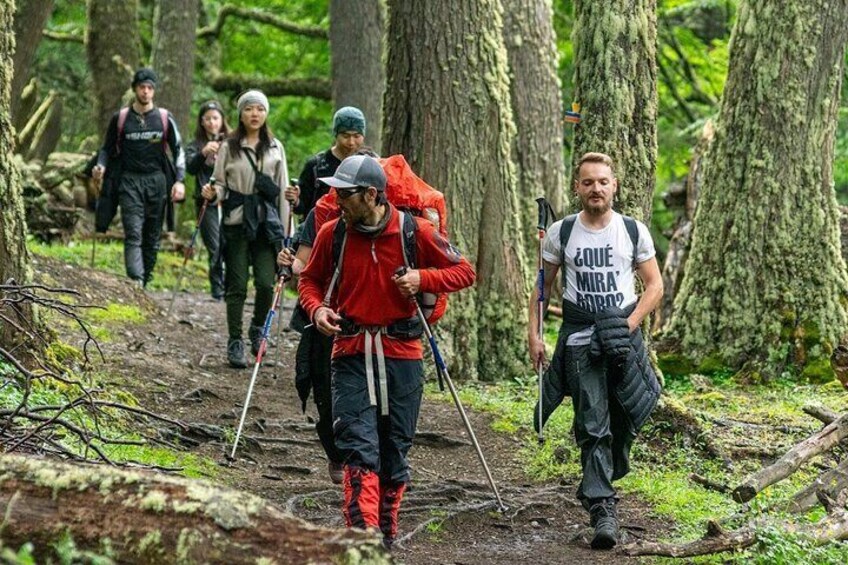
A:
<point x="544" y="207"/>
<point x="285" y="274"/>
<point x="189" y="251"/>
<point x="442" y="367"/>
<point x="287" y="243"/>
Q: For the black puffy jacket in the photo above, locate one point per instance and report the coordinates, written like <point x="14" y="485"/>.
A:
<point x="631" y="374"/>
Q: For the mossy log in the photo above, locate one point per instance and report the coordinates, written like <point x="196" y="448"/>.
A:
<point x="151" y="518"/>
<point x="820" y="442"/>
<point x="716" y="540"/>
<point x="830" y="483"/>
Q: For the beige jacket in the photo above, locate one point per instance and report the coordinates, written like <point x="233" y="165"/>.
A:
<point x="235" y="173"/>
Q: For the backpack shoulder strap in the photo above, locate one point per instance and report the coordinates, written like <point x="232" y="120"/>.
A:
<point x="122" y="120"/>
<point x="565" y="234"/>
<point x="633" y="232"/>
<point x="339" y="240"/>
<point x="163" y="115"/>
<point x="408" y="227"/>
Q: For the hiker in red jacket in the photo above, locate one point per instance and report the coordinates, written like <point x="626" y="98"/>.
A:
<point x="352" y="293"/>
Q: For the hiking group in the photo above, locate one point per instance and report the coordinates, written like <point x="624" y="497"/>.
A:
<point x="375" y="234"/>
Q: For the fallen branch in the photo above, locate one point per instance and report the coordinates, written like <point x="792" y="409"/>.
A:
<point x="828" y="437"/>
<point x="821" y="413"/>
<point x="830" y="482"/>
<point x="833" y="527"/>
<point x="708" y="484"/>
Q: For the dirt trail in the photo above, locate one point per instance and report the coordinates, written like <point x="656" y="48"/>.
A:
<point x="177" y="368"/>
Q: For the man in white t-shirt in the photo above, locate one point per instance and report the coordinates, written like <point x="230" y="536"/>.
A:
<point x="600" y="359"/>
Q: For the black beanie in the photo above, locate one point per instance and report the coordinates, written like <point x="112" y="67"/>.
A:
<point x="144" y="75"/>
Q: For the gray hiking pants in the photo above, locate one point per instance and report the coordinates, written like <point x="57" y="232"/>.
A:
<point x="142" y="198"/>
<point x="600" y="424"/>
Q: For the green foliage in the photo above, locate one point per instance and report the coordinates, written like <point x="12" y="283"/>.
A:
<point x="109" y="257"/>
<point x="775" y="547"/>
<point x="47" y="391"/>
<point x="663" y="459"/>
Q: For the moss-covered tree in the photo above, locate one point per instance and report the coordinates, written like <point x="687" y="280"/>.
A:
<point x="536" y="106"/>
<point x="112" y="44"/>
<point x="13" y="253"/>
<point x="357" y="34"/>
<point x="448" y="111"/>
<point x="30" y="17"/>
<point x="615" y="82"/>
<point x="768" y="287"/>
<point x="172" y="58"/>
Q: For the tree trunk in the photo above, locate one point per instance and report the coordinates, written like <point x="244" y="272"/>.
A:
<point x="678" y="247"/>
<point x="357" y="30"/>
<point x="30" y="17"/>
<point x="150" y="518"/>
<point x="14" y="261"/>
<point x="448" y="112"/>
<point x="770" y="287"/>
<point x="174" y="26"/>
<point x="112" y="43"/>
<point x="615" y="82"/>
<point x="537" y="108"/>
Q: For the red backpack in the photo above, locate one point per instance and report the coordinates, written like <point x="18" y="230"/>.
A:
<point x="411" y="195"/>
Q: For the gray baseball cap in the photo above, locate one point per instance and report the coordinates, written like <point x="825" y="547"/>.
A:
<point x="356" y="171"/>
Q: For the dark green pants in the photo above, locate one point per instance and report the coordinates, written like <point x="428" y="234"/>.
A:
<point x="240" y="256"/>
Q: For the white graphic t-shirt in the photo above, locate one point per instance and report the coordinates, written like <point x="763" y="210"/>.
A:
<point x="599" y="266"/>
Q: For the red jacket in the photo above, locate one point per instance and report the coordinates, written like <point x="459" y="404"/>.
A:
<point x="366" y="294"/>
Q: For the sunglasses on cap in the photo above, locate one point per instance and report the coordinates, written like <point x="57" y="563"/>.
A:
<point x="344" y="193"/>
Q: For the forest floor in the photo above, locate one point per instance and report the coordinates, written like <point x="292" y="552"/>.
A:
<point x="176" y="367"/>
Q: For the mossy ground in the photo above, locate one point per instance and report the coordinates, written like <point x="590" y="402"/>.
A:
<point x="742" y="418"/>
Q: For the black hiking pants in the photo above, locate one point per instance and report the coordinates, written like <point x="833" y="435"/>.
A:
<point x="242" y="256"/>
<point x="142" y="198"/>
<point x="312" y="361"/>
<point x="210" y="232"/>
<point x="364" y="437"/>
<point x="601" y="427"/>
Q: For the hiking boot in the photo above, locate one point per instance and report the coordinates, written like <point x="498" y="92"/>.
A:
<point x="254" y="334"/>
<point x="336" y="472"/>
<point x="235" y="354"/>
<point x="603" y="519"/>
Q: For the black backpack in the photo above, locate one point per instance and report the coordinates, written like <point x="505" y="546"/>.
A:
<point x="568" y="225"/>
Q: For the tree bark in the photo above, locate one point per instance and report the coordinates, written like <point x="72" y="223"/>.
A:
<point x="674" y="266"/>
<point x="448" y="111"/>
<point x="615" y="82"/>
<point x="770" y="287"/>
<point x="14" y="261"/>
<point x="356" y="53"/>
<point x="820" y="442"/>
<point x="831" y="483"/>
<point x="30" y="17"/>
<point x="150" y="518"/>
<point x="174" y="25"/>
<point x="112" y="43"/>
<point x="537" y="108"/>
